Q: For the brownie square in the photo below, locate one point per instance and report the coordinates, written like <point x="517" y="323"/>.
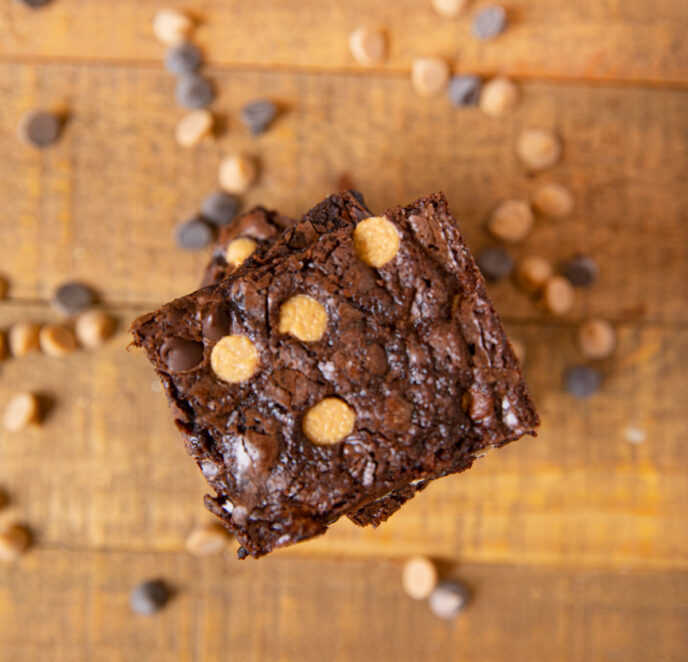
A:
<point x="337" y="373"/>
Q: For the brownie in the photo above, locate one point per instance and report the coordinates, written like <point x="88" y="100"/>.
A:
<point x="338" y="372"/>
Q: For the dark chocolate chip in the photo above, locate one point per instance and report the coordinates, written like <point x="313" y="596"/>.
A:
<point x="464" y="90"/>
<point x="257" y="115"/>
<point x="183" y="59"/>
<point x="193" y="234"/>
<point x="448" y="599"/>
<point x="194" y="91"/>
<point x="215" y="324"/>
<point x="149" y="597"/>
<point x="180" y="354"/>
<point x="72" y="298"/>
<point x="582" y="381"/>
<point x="34" y="4"/>
<point x="494" y="263"/>
<point x="39" y="128"/>
<point x="220" y="208"/>
<point x="580" y="271"/>
<point x="489" y="22"/>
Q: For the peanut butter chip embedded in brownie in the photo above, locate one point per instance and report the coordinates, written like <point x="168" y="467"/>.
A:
<point x="328" y="422"/>
<point x="234" y="359"/>
<point x="239" y="250"/>
<point x="303" y="317"/>
<point x="376" y="241"/>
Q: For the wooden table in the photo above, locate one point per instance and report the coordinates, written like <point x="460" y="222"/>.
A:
<point x="575" y="543"/>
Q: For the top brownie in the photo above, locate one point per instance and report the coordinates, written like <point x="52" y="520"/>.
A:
<point x="316" y="380"/>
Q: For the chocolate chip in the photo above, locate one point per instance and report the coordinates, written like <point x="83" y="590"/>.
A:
<point x="215" y="324"/>
<point x="582" y="381"/>
<point x="193" y="91"/>
<point x="220" y="208"/>
<point x="464" y="90"/>
<point x="183" y="59"/>
<point x="580" y="271"/>
<point x="180" y="354"/>
<point x="489" y="22"/>
<point x="242" y="553"/>
<point x="494" y="263"/>
<point x="34" y="4"/>
<point x="149" y="597"/>
<point x="39" y="128"/>
<point x="193" y="234"/>
<point x="448" y="599"/>
<point x="257" y="115"/>
<point x="72" y="298"/>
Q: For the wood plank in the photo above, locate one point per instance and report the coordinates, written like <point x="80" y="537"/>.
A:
<point x="299" y="609"/>
<point x="104" y="201"/>
<point x="108" y="470"/>
<point x="628" y="41"/>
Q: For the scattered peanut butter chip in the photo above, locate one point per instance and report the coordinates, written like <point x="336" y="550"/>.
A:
<point x="193" y="127"/>
<point x="23" y="338"/>
<point x="449" y="599"/>
<point x="367" y="45"/>
<point x="596" y="338"/>
<point x="303" y="317"/>
<point x="538" y="149"/>
<point x="22" y="410"/>
<point x="4" y="286"/>
<point x="519" y="349"/>
<point x="498" y="97"/>
<point x="56" y="340"/>
<point x="553" y="200"/>
<point x="419" y="577"/>
<point x="207" y="540"/>
<point x="239" y="250"/>
<point x="234" y="359"/>
<point x="511" y="221"/>
<point x="171" y="26"/>
<point x="94" y="327"/>
<point x="449" y="8"/>
<point x="532" y="272"/>
<point x="328" y="422"/>
<point x="14" y="541"/>
<point x="558" y="295"/>
<point x="376" y="241"/>
<point x="429" y="76"/>
<point x="237" y="173"/>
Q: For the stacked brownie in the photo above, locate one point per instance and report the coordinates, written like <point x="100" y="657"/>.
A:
<point x="335" y="367"/>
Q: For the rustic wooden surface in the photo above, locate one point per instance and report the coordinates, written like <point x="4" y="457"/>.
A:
<point x="575" y="543"/>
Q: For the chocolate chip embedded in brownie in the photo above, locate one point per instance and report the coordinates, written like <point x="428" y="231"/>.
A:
<point x="319" y="381"/>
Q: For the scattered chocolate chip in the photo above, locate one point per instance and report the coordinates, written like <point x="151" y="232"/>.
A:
<point x="215" y="324"/>
<point x="193" y="234"/>
<point x="582" y="381"/>
<point x="449" y="599"/>
<point x="149" y="597"/>
<point x="580" y="271"/>
<point x="72" y="298"/>
<point x="180" y="354"/>
<point x="194" y="91"/>
<point x="220" y="208"/>
<point x="464" y="90"/>
<point x="183" y="59"/>
<point x="39" y="128"/>
<point x="242" y="553"/>
<point x="494" y="263"/>
<point x="257" y="115"/>
<point x="34" y="4"/>
<point x="489" y="22"/>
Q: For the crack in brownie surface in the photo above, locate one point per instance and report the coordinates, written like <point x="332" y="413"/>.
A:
<point x="411" y="378"/>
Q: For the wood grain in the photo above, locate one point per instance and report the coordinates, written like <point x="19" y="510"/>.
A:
<point x="286" y="610"/>
<point x="108" y="470"/>
<point x="630" y="41"/>
<point x="105" y="200"/>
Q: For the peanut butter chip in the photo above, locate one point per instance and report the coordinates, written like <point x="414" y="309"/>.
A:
<point x="93" y="328"/>
<point x="511" y="221"/>
<point x="22" y="410"/>
<point x="376" y="241"/>
<point x="303" y="317"/>
<point x="367" y="45"/>
<point x="538" y="149"/>
<point x="171" y="26"/>
<point x="532" y="272"/>
<point x="193" y="127"/>
<point x="419" y="577"/>
<point x="498" y="97"/>
<point x="23" y="338"/>
<point x="14" y="539"/>
<point x="596" y="339"/>
<point x="237" y="173"/>
<point x="238" y="250"/>
<point x="429" y="76"/>
<point x="207" y="540"/>
<point x="234" y="359"/>
<point x="558" y="295"/>
<point x="553" y="200"/>
<point x="449" y="8"/>
<point x="328" y="422"/>
<point x="56" y="340"/>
